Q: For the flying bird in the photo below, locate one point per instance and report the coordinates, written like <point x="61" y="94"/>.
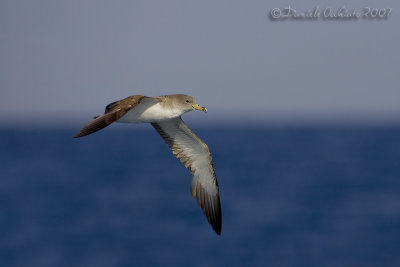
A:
<point x="164" y="114"/>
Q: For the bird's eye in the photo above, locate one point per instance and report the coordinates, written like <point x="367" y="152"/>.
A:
<point x="187" y="101"/>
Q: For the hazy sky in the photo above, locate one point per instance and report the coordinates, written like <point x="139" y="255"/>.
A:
<point x="71" y="58"/>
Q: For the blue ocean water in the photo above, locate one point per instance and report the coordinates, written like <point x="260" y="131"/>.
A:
<point x="290" y="196"/>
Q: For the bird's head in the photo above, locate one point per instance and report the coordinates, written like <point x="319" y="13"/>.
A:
<point x="187" y="103"/>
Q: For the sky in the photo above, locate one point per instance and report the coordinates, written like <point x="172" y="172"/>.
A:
<point x="65" y="60"/>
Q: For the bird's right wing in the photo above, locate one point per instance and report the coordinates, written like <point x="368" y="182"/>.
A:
<point x="114" y="112"/>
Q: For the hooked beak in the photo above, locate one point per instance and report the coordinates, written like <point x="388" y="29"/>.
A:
<point x="197" y="107"/>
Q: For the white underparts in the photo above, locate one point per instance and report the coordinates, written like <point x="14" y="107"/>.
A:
<point x="149" y="112"/>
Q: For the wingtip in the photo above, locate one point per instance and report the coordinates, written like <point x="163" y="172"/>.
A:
<point x="217" y="226"/>
<point x="79" y="134"/>
<point x="218" y="231"/>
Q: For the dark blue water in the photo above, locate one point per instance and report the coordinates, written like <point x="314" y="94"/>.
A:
<point x="295" y="196"/>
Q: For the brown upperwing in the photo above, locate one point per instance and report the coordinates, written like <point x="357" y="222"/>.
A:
<point x="113" y="112"/>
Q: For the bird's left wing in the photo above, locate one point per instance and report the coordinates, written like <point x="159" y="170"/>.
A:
<point x="196" y="156"/>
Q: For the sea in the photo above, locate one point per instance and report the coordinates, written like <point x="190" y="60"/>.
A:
<point x="302" y="195"/>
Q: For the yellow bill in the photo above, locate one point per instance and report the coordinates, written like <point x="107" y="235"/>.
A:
<point x="197" y="107"/>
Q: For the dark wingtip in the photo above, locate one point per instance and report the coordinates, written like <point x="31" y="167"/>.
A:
<point x="77" y="135"/>
<point x="217" y="225"/>
<point x="218" y="231"/>
<point x="211" y="207"/>
<point x="83" y="132"/>
<point x="97" y="124"/>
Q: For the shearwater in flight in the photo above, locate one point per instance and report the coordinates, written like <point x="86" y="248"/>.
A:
<point x="164" y="114"/>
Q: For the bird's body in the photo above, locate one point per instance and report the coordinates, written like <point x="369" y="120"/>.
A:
<point x="164" y="113"/>
<point x="149" y="111"/>
<point x="143" y="114"/>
